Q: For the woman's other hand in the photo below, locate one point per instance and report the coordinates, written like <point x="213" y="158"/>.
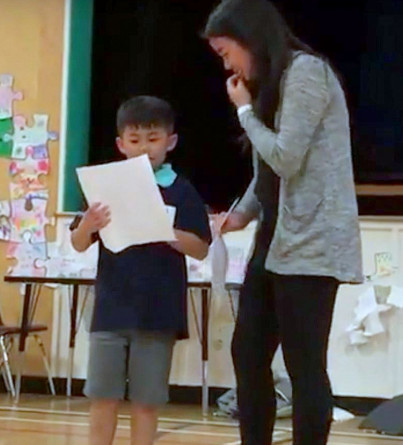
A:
<point x="237" y="91"/>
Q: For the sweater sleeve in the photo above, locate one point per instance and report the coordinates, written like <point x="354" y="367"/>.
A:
<point x="305" y="100"/>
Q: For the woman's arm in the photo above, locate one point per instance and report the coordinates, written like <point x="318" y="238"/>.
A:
<point x="306" y="97"/>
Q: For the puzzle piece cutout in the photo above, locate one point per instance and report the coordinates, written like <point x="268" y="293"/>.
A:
<point x="28" y="173"/>
<point x="26" y="254"/>
<point x="29" y="216"/>
<point x="24" y="136"/>
<point x="58" y="265"/>
<point x="36" y="152"/>
<point x="40" y="152"/>
<point x="51" y="267"/>
<point x="5" y="224"/>
<point x="18" y="191"/>
<point x="6" y="129"/>
<point x="7" y="96"/>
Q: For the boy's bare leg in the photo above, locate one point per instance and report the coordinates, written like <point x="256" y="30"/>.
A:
<point x="144" y="423"/>
<point x="103" y="420"/>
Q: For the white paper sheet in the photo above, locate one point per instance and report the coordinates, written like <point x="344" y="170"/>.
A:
<point x="367" y="321"/>
<point x="128" y="188"/>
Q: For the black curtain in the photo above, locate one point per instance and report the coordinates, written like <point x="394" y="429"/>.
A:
<point x="153" y="47"/>
<point x="379" y="142"/>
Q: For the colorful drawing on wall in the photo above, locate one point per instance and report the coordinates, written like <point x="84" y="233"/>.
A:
<point x="29" y="216"/>
<point x="67" y="262"/>
<point x="19" y="191"/>
<point x="27" y="174"/>
<point x="5" y="224"/>
<point x="26" y="254"/>
<point x="23" y="217"/>
<point x="6" y="129"/>
<point x="25" y="136"/>
<point x="40" y="152"/>
<point x="7" y="97"/>
<point x="58" y="266"/>
<point x="30" y="167"/>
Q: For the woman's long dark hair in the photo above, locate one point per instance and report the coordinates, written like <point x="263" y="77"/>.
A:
<point x="258" y="26"/>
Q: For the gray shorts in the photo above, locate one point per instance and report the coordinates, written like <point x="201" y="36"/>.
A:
<point x="141" y="359"/>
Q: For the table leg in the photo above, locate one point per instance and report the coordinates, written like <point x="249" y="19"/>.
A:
<point x="205" y="340"/>
<point x="72" y="342"/>
<point x="23" y="338"/>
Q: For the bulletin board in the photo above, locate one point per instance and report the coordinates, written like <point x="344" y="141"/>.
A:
<point x="31" y="63"/>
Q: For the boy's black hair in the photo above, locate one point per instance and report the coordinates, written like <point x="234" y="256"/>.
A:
<point x="145" y="111"/>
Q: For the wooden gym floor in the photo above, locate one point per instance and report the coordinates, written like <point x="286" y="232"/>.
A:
<point x="45" y="420"/>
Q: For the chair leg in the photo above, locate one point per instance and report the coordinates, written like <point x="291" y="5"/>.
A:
<point x="46" y="363"/>
<point x="18" y="375"/>
<point x="7" y="370"/>
<point x="5" y="379"/>
<point x="4" y="375"/>
<point x="8" y="343"/>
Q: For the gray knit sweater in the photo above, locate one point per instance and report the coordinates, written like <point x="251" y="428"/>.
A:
<point x="317" y="231"/>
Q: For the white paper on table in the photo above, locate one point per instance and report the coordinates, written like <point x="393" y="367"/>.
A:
<point x="128" y="188"/>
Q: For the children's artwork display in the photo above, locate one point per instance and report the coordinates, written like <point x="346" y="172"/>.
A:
<point x="26" y="254"/>
<point x="36" y="137"/>
<point x="5" y="224"/>
<point x="7" y="97"/>
<point x="23" y="214"/>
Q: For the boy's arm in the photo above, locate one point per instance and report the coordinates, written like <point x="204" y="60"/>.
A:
<point x="190" y="244"/>
<point x="95" y="218"/>
<point x="81" y="237"/>
<point x="192" y="228"/>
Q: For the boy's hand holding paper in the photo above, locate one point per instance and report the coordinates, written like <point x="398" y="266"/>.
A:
<point x="137" y="210"/>
<point x="96" y="217"/>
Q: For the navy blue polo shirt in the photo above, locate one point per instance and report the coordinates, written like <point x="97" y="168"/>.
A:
<point x="144" y="287"/>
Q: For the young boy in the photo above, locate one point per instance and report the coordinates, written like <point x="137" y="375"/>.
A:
<point x="140" y="305"/>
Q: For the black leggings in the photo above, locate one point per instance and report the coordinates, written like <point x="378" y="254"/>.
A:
<point x="295" y="311"/>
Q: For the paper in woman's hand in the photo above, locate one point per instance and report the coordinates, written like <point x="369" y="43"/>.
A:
<point x="128" y="188"/>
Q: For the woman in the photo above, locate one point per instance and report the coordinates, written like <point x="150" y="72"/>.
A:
<point x="293" y="110"/>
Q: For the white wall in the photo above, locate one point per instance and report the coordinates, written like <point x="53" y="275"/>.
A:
<point x="372" y="370"/>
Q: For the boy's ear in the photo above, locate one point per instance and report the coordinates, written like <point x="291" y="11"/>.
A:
<point x="119" y="144"/>
<point x="173" y="141"/>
